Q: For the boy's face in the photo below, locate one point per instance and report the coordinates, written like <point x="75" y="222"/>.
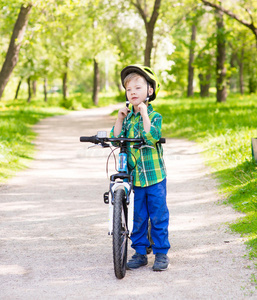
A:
<point x="136" y="90"/>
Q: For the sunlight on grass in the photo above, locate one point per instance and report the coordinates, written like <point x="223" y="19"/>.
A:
<point x="16" y="135"/>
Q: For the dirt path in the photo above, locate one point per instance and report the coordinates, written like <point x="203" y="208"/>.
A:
<point x="53" y="233"/>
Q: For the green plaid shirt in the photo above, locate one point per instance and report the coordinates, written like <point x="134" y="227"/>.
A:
<point x="146" y="164"/>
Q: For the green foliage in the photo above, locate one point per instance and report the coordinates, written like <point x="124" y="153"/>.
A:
<point x="225" y="131"/>
<point x="178" y="71"/>
<point x="65" y="37"/>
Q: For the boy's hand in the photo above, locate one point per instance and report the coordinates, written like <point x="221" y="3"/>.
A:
<point x="123" y="112"/>
<point x="146" y="121"/>
<point x="142" y="109"/>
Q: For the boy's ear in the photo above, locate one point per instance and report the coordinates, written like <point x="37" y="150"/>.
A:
<point x="150" y="92"/>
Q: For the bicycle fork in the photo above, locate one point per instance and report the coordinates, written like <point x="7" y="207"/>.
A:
<point x="121" y="180"/>
<point x="129" y="202"/>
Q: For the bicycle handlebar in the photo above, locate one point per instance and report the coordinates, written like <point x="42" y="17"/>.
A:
<point x="91" y="139"/>
<point x="99" y="140"/>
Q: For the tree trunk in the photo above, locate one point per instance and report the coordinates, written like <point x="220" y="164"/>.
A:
<point x="45" y="89"/>
<point x="64" y="85"/>
<point x="221" y="57"/>
<point x="204" y="85"/>
<point x="34" y="87"/>
<point x="96" y="87"/>
<point x="149" y="26"/>
<point x="232" y="82"/>
<point x="18" y="89"/>
<point x="29" y="89"/>
<point x="65" y="80"/>
<point x="241" y="77"/>
<point x="241" y="72"/>
<point x="12" y="55"/>
<point x="190" y="87"/>
<point x="117" y="79"/>
<point x="148" y="46"/>
<point x="252" y="84"/>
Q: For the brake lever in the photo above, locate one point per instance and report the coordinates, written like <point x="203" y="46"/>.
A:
<point x="103" y="145"/>
<point x="136" y="146"/>
<point x="93" y="146"/>
<point x="146" y="146"/>
<point x="141" y="146"/>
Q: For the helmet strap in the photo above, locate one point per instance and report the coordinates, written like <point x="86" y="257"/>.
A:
<point x="147" y="97"/>
<point x="127" y="100"/>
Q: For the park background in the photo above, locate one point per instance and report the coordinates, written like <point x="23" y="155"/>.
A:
<point x="57" y="56"/>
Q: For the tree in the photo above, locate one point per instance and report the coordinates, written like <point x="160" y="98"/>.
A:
<point x="249" y="25"/>
<point x="62" y="40"/>
<point x="18" y="89"/>
<point x="190" y="87"/>
<point x="149" y="25"/>
<point x="237" y="58"/>
<point x="221" y="58"/>
<point x="29" y="89"/>
<point x="96" y="86"/>
<point x="14" y="46"/>
<point x="205" y="65"/>
<point x="242" y="51"/>
<point x="205" y="56"/>
<point x="249" y="62"/>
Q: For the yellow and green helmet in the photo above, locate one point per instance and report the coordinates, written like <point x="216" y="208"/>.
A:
<point x="147" y="73"/>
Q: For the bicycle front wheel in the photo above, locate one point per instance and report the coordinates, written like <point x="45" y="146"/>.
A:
<point x="120" y="234"/>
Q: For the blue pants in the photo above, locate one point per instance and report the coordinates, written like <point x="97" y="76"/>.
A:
<point x="150" y="202"/>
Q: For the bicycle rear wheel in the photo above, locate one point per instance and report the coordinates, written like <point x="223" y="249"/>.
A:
<point x="120" y="234"/>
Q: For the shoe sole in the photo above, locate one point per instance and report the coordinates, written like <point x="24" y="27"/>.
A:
<point x="160" y="270"/>
<point x="129" y="268"/>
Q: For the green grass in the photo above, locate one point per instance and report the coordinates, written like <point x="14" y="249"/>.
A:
<point x="225" y="131"/>
<point x="16" y="134"/>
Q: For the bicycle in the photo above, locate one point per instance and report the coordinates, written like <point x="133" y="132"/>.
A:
<point x="120" y="197"/>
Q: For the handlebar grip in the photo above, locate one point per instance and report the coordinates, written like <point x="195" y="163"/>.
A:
<point x="162" y="141"/>
<point x="91" y="139"/>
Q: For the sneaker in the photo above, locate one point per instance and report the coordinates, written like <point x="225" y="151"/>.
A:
<point x="137" y="261"/>
<point x="161" y="262"/>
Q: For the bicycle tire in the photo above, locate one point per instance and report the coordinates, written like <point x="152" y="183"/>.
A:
<point x="120" y="234"/>
<point x="149" y="237"/>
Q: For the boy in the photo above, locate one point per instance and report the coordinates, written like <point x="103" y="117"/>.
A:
<point x="142" y="86"/>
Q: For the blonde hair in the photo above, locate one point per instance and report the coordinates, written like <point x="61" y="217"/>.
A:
<point x="131" y="76"/>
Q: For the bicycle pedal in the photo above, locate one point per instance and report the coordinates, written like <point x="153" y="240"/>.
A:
<point x="106" y="197"/>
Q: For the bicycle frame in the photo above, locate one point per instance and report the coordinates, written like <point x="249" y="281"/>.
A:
<point x="125" y="181"/>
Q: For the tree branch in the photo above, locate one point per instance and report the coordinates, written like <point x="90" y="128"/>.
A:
<point x="250" y="14"/>
<point x="229" y="13"/>
<point x="12" y="54"/>
<point x="140" y="10"/>
<point x="183" y="17"/>
<point x="155" y="13"/>
<point x="249" y="25"/>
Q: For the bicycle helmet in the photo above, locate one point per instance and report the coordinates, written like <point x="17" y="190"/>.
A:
<point x="147" y="73"/>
